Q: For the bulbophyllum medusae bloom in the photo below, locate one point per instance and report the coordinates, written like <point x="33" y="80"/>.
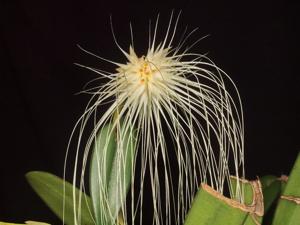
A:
<point x="189" y="128"/>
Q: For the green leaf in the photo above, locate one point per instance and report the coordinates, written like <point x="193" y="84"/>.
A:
<point x="50" y="188"/>
<point x="248" y="189"/>
<point x="284" y="180"/>
<point x="110" y="171"/>
<point x="211" y="208"/>
<point x="288" y="209"/>
<point x="267" y="180"/>
<point x="271" y="187"/>
<point x="250" y="198"/>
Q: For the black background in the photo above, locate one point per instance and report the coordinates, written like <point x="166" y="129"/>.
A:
<point x="254" y="42"/>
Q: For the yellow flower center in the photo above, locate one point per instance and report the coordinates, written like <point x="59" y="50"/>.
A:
<point x="146" y="72"/>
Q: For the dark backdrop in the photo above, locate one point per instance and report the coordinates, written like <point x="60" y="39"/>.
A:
<point x="255" y="43"/>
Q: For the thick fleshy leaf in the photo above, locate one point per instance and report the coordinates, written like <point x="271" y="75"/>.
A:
<point x="212" y="208"/>
<point x="110" y="171"/>
<point x="267" y="180"/>
<point x="50" y="188"/>
<point x="252" y="196"/>
<point x="247" y="189"/>
<point x="288" y="209"/>
<point x="271" y="187"/>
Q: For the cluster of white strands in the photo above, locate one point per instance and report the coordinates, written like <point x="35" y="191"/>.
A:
<point x="179" y="106"/>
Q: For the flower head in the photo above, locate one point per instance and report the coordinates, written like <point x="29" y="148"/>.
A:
<point x="147" y="76"/>
<point x="181" y="108"/>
